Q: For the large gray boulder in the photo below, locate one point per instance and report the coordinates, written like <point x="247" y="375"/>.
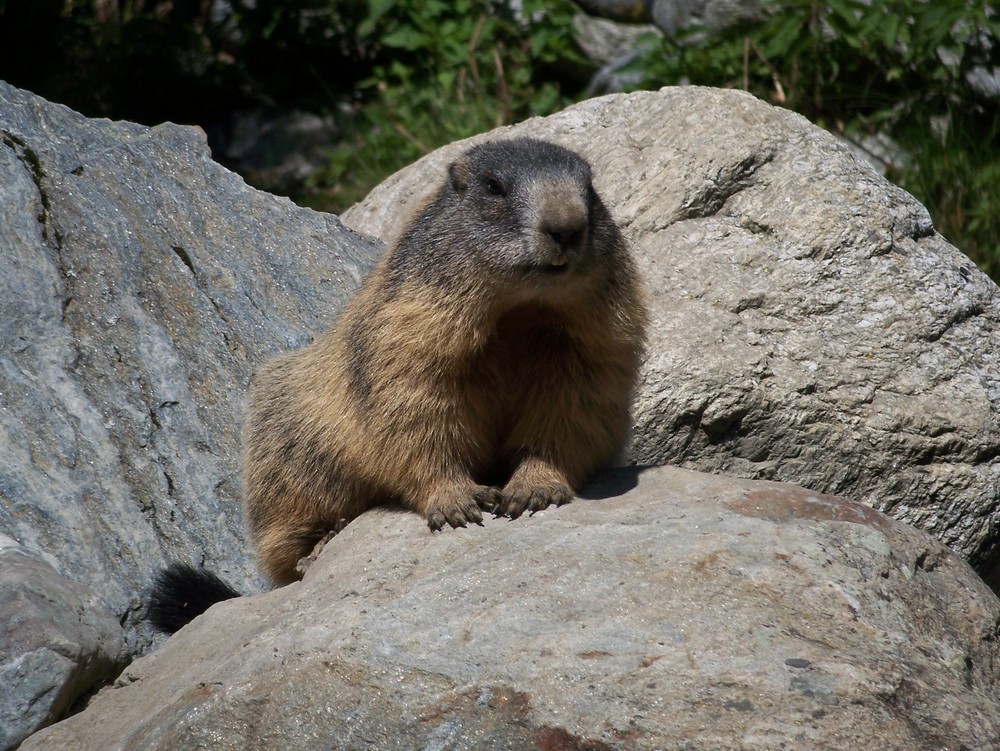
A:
<point x="809" y="325"/>
<point x="670" y="610"/>
<point x="140" y="285"/>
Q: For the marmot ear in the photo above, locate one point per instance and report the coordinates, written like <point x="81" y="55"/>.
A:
<point x="460" y="173"/>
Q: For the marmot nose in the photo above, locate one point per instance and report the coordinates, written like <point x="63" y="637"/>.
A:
<point x="565" y="237"/>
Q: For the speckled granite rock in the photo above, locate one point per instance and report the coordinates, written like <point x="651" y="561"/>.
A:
<point x="809" y="326"/>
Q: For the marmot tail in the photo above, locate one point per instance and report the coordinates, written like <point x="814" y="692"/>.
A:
<point x="182" y="592"/>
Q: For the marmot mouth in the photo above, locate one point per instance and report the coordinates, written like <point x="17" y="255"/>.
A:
<point x="552" y="267"/>
<point x="555" y="269"/>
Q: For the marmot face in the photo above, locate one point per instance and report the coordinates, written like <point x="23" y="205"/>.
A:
<point x="527" y="206"/>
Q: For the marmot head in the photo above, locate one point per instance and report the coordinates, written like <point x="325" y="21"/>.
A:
<point x="528" y="204"/>
<point x="523" y="210"/>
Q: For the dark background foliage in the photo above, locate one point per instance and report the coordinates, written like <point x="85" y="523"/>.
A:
<point x="393" y="79"/>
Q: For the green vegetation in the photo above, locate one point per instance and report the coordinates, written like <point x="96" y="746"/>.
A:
<point x="402" y="77"/>
<point x="450" y="70"/>
<point x="889" y="75"/>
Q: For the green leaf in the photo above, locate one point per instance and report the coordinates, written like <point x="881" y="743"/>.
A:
<point x="446" y="79"/>
<point x="846" y="10"/>
<point x="406" y="38"/>
<point x="376" y="9"/>
<point x="890" y="29"/>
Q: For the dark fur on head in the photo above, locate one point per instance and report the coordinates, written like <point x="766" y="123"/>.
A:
<point x="527" y="209"/>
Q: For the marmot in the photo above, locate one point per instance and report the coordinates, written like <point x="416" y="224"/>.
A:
<point x="487" y="363"/>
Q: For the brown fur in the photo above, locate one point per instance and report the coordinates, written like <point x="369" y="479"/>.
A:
<point x="496" y="345"/>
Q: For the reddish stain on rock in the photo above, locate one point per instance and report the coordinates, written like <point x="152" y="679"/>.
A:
<point x="515" y="704"/>
<point x="782" y="505"/>
<point x="558" y="739"/>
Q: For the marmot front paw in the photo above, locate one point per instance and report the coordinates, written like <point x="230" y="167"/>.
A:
<point x="459" y="506"/>
<point x="518" y="499"/>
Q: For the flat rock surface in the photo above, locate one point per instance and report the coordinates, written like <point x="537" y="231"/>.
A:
<point x="670" y="610"/>
<point x="809" y="325"/>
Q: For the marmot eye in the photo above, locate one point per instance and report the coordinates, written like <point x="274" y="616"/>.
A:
<point x="495" y="187"/>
